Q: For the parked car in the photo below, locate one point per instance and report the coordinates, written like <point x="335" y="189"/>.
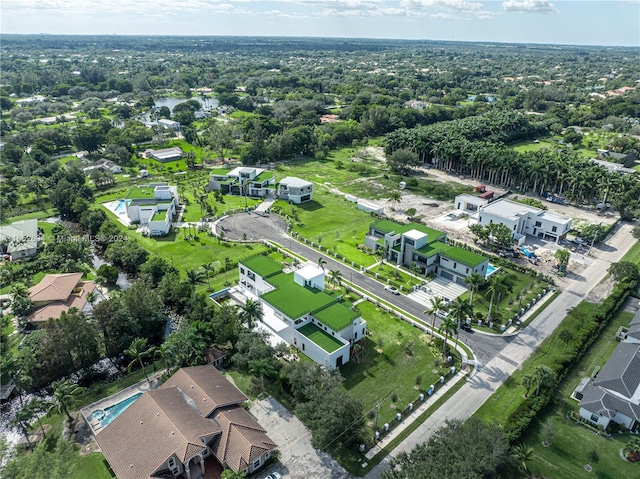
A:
<point x="274" y="475"/>
<point x="466" y="327"/>
<point x="391" y="289"/>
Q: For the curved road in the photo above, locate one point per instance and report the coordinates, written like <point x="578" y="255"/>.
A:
<point x="272" y="227"/>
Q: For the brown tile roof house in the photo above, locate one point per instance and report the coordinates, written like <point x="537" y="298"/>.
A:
<point x="57" y="293"/>
<point x="168" y="432"/>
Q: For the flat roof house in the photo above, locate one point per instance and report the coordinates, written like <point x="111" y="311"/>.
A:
<point x="172" y="124"/>
<point x="296" y="190"/>
<point x="250" y="181"/>
<point x="165" y="155"/>
<point x="305" y="316"/>
<point x="427" y="248"/>
<point x="614" y="394"/>
<point x="153" y="206"/>
<point x="56" y="293"/>
<point x="525" y="220"/>
<point x="20" y="239"/>
<point x="469" y="203"/>
<point x="193" y="423"/>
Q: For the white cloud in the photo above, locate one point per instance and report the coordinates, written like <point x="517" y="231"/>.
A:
<point x="529" y="6"/>
<point x="145" y="7"/>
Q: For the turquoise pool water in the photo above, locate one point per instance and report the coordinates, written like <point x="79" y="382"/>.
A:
<point x="120" y="206"/>
<point x="490" y="270"/>
<point x="109" y="414"/>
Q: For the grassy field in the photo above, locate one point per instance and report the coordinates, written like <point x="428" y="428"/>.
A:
<point x="332" y="221"/>
<point x="395" y="277"/>
<point x="567" y="454"/>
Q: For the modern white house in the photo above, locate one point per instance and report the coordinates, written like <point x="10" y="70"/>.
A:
<point x="165" y="155"/>
<point x="20" y="239"/>
<point x="304" y="315"/>
<point x="174" y="125"/>
<point x="425" y="248"/>
<point x="243" y="180"/>
<point x="296" y="190"/>
<point x="469" y="203"/>
<point x="152" y="206"/>
<point x="614" y="394"/>
<point x="104" y="165"/>
<point x="525" y="220"/>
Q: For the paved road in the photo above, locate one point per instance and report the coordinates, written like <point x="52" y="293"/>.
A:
<point x="478" y="389"/>
<point x="500" y="356"/>
<point x="272" y="227"/>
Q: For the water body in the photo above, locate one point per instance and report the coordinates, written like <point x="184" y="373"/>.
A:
<point x="123" y="280"/>
<point x="171" y="102"/>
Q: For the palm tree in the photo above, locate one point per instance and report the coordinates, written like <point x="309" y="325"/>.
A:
<point x="92" y="297"/>
<point x="498" y="284"/>
<point x="63" y="394"/>
<point x="37" y="406"/>
<point x="321" y="262"/>
<point x="208" y="269"/>
<point x="474" y="280"/>
<point x="138" y="351"/>
<point x="227" y="265"/>
<point x="521" y="454"/>
<point x="544" y="377"/>
<point x="449" y="326"/>
<point x="251" y="312"/>
<point x="21" y="420"/>
<point x="166" y="351"/>
<point x="194" y="278"/>
<point x="460" y="310"/>
<point x="336" y="277"/>
<point x="394" y="197"/>
<point x="261" y="368"/>
<point x="437" y="304"/>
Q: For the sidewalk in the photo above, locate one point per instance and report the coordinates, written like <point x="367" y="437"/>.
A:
<point x="415" y="414"/>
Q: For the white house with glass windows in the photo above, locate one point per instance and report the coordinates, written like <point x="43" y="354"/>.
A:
<point x="299" y="311"/>
<point x="525" y="220"/>
<point x="296" y="190"/>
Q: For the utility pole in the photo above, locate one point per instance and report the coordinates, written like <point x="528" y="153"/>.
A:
<point x="376" y="426"/>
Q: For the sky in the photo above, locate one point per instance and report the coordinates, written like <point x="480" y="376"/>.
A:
<point x="610" y="22"/>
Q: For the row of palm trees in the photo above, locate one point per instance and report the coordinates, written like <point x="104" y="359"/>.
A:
<point x="459" y="310"/>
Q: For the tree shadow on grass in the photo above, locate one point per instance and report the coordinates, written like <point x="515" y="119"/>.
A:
<point x="312" y="205"/>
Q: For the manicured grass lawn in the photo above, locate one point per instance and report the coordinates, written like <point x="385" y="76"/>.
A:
<point x="567" y="454"/>
<point x="633" y="254"/>
<point x="332" y="221"/>
<point x="29" y="216"/>
<point x="508" y="397"/>
<point x="374" y="377"/>
<point x="529" y="145"/>
<point x="395" y="276"/>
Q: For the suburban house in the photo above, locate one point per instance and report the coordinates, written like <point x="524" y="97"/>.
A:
<point x="632" y="334"/>
<point x="299" y="312"/>
<point x="20" y="239"/>
<point x="165" y="155"/>
<point x="192" y="424"/>
<point x="469" y="203"/>
<point x="153" y="206"/>
<point x="615" y="167"/>
<point x="56" y="293"/>
<point x="626" y="159"/>
<point x="416" y="245"/>
<point x="614" y="394"/>
<point x="244" y="180"/>
<point x="104" y="165"/>
<point x="171" y="124"/>
<point x="295" y="190"/>
<point x="525" y="220"/>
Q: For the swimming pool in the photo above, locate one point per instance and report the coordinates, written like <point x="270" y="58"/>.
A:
<point x="491" y="269"/>
<point x="121" y="206"/>
<point x="110" y="413"/>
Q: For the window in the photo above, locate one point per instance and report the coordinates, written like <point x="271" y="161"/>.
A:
<point x="356" y="335"/>
<point x="467" y="270"/>
<point x="303" y="346"/>
<point x="594" y="418"/>
<point x="256" y="464"/>
<point x="554" y="229"/>
<point x="241" y="270"/>
<point x="538" y="224"/>
<point x="455" y="265"/>
<point x="171" y="462"/>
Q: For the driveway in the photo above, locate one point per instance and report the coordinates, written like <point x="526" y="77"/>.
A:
<point x="273" y="228"/>
<point x="298" y="459"/>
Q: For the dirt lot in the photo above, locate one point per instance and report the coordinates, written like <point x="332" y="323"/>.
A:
<point x="434" y="213"/>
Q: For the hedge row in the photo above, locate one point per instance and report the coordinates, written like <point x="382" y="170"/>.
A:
<point x="522" y="417"/>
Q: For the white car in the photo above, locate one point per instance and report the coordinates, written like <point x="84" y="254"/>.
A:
<point x="274" y="475"/>
<point x="391" y="289"/>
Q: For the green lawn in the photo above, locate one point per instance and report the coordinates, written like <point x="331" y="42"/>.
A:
<point x="321" y="338"/>
<point x="375" y="377"/>
<point x="395" y="277"/>
<point x="29" y="216"/>
<point x="332" y="221"/>
<point x="567" y="454"/>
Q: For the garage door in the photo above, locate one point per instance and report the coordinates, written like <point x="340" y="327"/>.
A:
<point x="447" y="275"/>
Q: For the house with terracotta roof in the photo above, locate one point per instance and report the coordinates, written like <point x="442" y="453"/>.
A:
<point x="192" y="424"/>
<point x="56" y="293"/>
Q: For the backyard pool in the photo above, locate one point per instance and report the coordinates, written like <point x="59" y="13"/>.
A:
<point x="106" y="415"/>
<point x="491" y="269"/>
<point x="120" y="206"/>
